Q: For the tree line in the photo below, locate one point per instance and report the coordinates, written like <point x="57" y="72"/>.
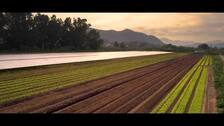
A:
<point x="39" y="32"/>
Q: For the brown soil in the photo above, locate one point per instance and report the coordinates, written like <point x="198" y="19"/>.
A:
<point x="137" y="90"/>
<point x="210" y="94"/>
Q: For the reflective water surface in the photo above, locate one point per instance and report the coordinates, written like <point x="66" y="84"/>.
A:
<point x="8" y="61"/>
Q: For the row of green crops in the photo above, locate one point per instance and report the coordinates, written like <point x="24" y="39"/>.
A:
<point x="197" y="101"/>
<point x="19" y="83"/>
<point x="219" y="81"/>
<point x="191" y="85"/>
<point x="168" y="100"/>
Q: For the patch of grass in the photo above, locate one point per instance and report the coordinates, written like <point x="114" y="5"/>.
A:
<point x="19" y="83"/>
<point x="217" y="64"/>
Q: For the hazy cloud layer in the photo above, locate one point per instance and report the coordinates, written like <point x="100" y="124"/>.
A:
<point x="182" y="26"/>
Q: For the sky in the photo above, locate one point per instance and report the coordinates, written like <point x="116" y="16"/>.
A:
<point x="176" y="26"/>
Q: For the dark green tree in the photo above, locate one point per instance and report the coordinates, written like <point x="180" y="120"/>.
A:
<point x="94" y="40"/>
<point x="24" y="31"/>
<point x="18" y="30"/>
<point x="116" y="44"/>
<point x="54" y="32"/>
<point x="203" y="46"/>
<point x="80" y="33"/>
<point x="41" y="28"/>
<point x="67" y="30"/>
<point x="3" y="28"/>
<point x="122" y="45"/>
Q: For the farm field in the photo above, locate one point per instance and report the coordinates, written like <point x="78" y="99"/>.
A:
<point x="151" y="63"/>
<point x="135" y="91"/>
<point x="188" y="95"/>
<point x="17" y="84"/>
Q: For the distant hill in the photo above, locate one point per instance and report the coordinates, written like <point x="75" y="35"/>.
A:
<point x="215" y="43"/>
<point x="133" y="38"/>
<point x="128" y="36"/>
<point x="180" y="42"/>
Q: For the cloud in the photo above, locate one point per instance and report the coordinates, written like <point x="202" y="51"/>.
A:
<point x="209" y="27"/>
<point x="185" y="26"/>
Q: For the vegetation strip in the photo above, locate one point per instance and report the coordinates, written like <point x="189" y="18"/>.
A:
<point x="189" y="99"/>
<point x="217" y="64"/>
<point x="150" y="102"/>
<point x="165" y="104"/>
<point x="197" y="102"/>
<point x="182" y="102"/>
<point x="198" y="93"/>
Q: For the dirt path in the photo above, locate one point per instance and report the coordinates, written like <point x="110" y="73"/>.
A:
<point x="210" y="98"/>
<point x="138" y="90"/>
<point x="222" y="57"/>
<point x="210" y="93"/>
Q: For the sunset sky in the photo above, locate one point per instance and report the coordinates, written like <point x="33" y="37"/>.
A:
<point x="176" y="26"/>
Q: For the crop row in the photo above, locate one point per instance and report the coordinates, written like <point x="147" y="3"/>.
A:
<point x="168" y="100"/>
<point x="190" y="89"/>
<point x="197" y="102"/>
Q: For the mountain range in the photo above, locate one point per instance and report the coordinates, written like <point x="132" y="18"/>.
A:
<point x="215" y="43"/>
<point x="129" y="36"/>
<point x="180" y="42"/>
